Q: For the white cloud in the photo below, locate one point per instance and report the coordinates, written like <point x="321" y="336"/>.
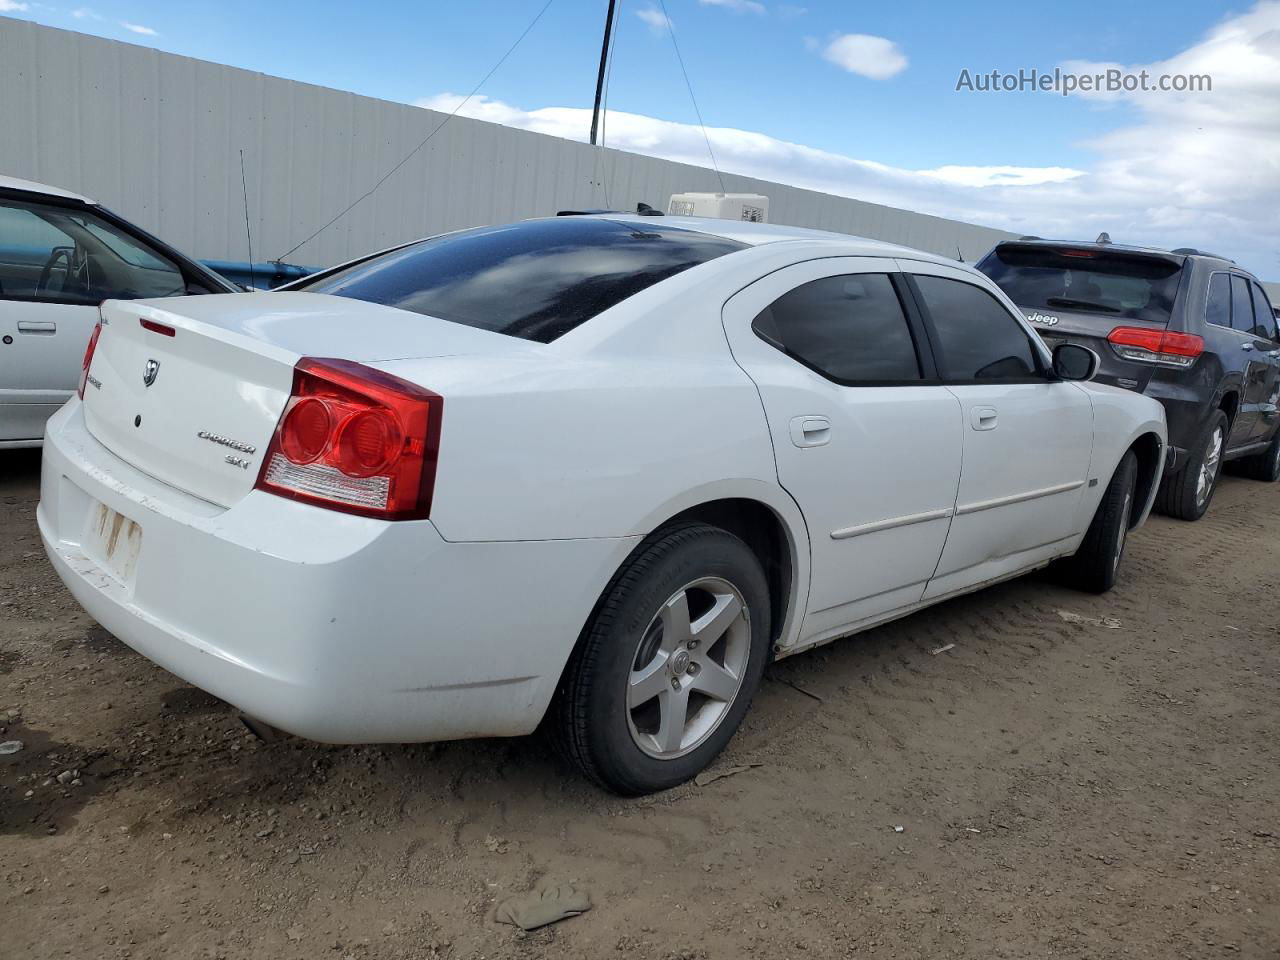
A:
<point x="86" y="13"/>
<point x="138" y="28"/>
<point x="737" y="6"/>
<point x="1178" y="170"/>
<point x="12" y="6"/>
<point x="1002" y="176"/>
<point x="865" y="55"/>
<point x="759" y="155"/>
<point x="656" y="19"/>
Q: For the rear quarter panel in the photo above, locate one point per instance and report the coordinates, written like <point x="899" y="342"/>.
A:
<point x="545" y="450"/>
<point x="614" y="427"/>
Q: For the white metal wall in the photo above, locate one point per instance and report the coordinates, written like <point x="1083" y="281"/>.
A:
<point x="157" y="137"/>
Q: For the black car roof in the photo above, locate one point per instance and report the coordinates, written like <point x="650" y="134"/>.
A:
<point x="1179" y="255"/>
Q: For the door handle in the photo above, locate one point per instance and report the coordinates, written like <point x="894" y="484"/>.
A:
<point x="983" y="418"/>
<point x="810" y="431"/>
<point x="1246" y="346"/>
<point x="37" y="327"/>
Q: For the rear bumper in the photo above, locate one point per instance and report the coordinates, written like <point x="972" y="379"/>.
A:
<point x="1185" y="411"/>
<point x="330" y="626"/>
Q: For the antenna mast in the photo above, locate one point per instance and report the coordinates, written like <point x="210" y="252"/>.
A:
<point x="604" y="57"/>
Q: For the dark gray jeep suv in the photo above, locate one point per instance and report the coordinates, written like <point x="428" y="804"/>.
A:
<point x="1191" y="329"/>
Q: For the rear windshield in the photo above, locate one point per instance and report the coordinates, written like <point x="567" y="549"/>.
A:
<point x="536" y="280"/>
<point x="1127" y="285"/>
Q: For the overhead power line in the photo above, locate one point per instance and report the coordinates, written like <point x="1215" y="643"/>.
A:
<point x="671" y="32"/>
<point x="427" y="139"/>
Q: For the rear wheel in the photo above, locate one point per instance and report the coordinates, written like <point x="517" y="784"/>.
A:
<point x="1264" y="466"/>
<point x="669" y="663"/>
<point x="1187" y="493"/>
<point x="1095" y="564"/>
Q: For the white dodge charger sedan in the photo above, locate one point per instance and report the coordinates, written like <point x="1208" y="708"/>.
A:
<point x="598" y="469"/>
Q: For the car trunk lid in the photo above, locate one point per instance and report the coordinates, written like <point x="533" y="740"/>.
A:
<point x="190" y="390"/>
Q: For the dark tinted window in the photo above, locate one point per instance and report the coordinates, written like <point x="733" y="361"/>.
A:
<point x="1264" y="318"/>
<point x="1116" y="284"/>
<point x="1217" y="308"/>
<point x="979" y="338"/>
<point x="1241" y="305"/>
<point x="849" y="328"/>
<point x="536" y="280"/>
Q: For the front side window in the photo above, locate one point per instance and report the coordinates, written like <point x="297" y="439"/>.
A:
<point x="851" y="329"/>
<point x="1217" y="308"/>
<point x="71" y="255"/>
<point x="1241" y="305"/>
<point x="536" y="280"/>
<point x="1264" y="317"/>
<point x="978" y="338"/>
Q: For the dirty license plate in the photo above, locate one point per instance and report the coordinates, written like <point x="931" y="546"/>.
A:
<point x="113" y="541"/>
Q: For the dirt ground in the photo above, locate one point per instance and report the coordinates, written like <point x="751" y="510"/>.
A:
<point x="1044" y="788"/>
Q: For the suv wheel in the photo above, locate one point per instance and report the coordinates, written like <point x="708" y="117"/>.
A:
<point x="1094" y="565"/>
<point x="1264" y="466"/>
<point x="1187" y="493"/>
<point x="668" y="664"/>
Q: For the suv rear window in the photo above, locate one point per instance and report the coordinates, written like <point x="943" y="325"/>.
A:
<point x="535" y="280"/>
<point x="1117" y="284"/>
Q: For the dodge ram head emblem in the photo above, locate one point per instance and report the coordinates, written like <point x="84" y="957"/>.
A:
<point x="150" y="372"/>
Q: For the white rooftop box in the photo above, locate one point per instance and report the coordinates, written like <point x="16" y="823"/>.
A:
<point x="752" y="207"/>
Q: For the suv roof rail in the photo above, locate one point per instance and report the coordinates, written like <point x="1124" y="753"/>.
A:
<point x="1030" y="237"/>
<point x="1193" y="252"/>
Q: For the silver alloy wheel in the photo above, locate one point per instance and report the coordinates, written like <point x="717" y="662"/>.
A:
<point x="1124" y="531"/>
<point x="1275" y="458"/>
<point x="1209" y="467"/>
<point x="688" y="668"/>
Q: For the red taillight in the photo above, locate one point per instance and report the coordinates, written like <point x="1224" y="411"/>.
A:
<point x="88" y="359"/>
<point x="368" y="442"/>
<point x="355" y="439"/>
<point x="1147" y="345"/>
<point x="306" y="430"/>
<point x="161" y="328"/>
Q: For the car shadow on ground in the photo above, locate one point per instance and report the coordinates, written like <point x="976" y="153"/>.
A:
<point x="17" y="466"/>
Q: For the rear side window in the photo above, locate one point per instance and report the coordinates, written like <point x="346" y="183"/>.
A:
<point x="978" y="338"/>
<point x="1217" y="308"/>
<point x="535" y="280"/>
<point x="1241" y="305"/>
<point x="1118" y="284"/>
<point x="1264" y="318"/>
<point x="850" y="329"/>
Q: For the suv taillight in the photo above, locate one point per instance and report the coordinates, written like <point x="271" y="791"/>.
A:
<point x="1146" y="345"/>
<point x="355" y="439"/>
<point x="88" y="359"/>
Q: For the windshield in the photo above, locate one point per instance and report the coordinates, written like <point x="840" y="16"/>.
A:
<point x="1118" y="284"/>
<point x="536" y="280"/>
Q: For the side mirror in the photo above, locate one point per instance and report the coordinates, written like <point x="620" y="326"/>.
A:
<point x="1074" y="362"/>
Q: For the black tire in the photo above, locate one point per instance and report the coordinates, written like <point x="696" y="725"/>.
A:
<point x="594" y="723"/>
<point x="1095" y="563"/>
<point x="1264" y="466"/>
<point x="1180" y="495"/>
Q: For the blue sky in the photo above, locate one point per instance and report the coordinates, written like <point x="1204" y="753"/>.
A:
<point x="765" y="67"/>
